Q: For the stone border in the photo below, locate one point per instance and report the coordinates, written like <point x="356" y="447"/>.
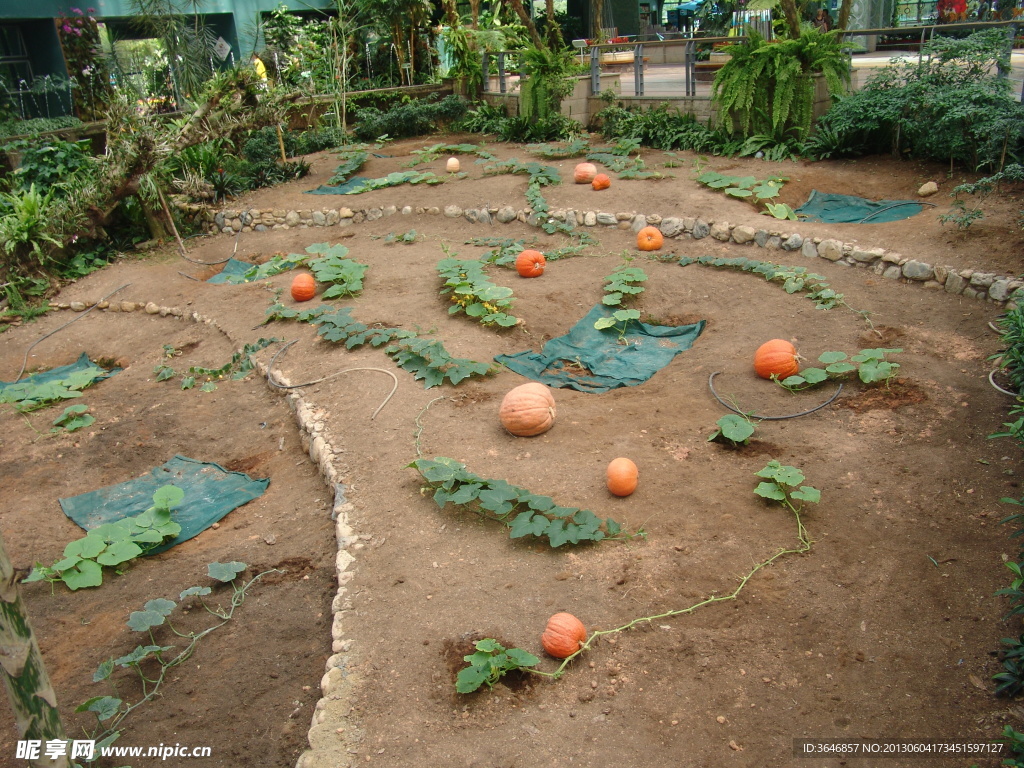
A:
<point x="317" y="442"/>
<point x="971" y="283"/>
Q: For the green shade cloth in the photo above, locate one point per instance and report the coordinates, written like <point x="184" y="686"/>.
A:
<point x="848" y="209"/>
<point x="58" y="374"/>
<point x="231" y="267"/>
<point x="649" y="348"/>
<point x="210" y="493"/>
<point x="341" y="189"/>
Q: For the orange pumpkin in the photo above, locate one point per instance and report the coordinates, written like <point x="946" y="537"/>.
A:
<point x="601" y="181"/>
<point x="649" y="239"/>
<point x="584" y="173"/>
<point x="622" y="476"/>
<point x="530" y="263"/>
<point x="303" y="287"/>
<point x="528" y="410"/>
<point x="563" y="635"/>
<point x="776" y="358"/>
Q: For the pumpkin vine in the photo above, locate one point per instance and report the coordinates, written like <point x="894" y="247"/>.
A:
<point x="426" y="359"/>
<point x="780" y="483"/>
<point x="473" y="293"/>
<point x="793" y="279"/>
<point x="433" y="152"/>
<point x="522" y="512"/>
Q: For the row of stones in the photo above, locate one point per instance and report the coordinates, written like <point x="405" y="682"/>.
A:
<point x="893" y="266"/>
<point x="316" y="440"/>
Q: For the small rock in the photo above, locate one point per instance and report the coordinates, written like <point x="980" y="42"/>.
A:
<point x="589" y="219"/>
<point x="77" y="306"/>
<point x="606" y="219"/>
<point x="452" y="211"/>
<point x="506" y="214"/>
<point x="720" y="230"/>
<point x="832" y="250"/>
<point x="292" y="219"/>
<point x="743" y="234"/>
<point x="793" y="242"/>
<point x="671" y="226"/>
<point x="928" y="189"/>
<point x="700" y="229"/>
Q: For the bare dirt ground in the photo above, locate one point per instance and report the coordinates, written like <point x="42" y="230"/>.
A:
<point x="888" y="627"/>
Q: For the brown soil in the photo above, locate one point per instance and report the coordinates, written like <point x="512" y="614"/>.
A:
<point x="888" y="627"/>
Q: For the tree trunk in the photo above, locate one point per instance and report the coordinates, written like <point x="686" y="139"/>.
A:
<point x="517" y="6"/>
<point x="844" y="14"/>
<point x="792" y="16"/>
<point x="158" y="229"/>
<point x="555" y="41"/>
<point x="21" y="666"/>
<point x="596" y="18"/>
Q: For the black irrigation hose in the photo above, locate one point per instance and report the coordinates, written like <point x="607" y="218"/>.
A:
<point x="24" y="363"/>
<point x="711" y="386"/>
<point x="895" y="205"/>
<point x="281" y="351"/>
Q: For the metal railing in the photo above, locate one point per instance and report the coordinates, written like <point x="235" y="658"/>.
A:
<point x="600" y="60"/>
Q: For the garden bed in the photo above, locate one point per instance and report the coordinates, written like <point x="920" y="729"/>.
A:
<point x="893" y="598"/>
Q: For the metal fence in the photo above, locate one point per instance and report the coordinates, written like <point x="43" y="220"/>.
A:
<point x="671" y="69"/>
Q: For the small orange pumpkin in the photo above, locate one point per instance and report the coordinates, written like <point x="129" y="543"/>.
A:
<point x="563" y="635"/>
<point x="776" y="358"/>
<point x="452" y="166"/>
<point x="601" y="181"/>
<point x="649" y="239"/>
<point x="530" y="263"/>
<point x="622" y="476"/>
<point x="303" y="287"/>
<point x="584" y="173"/>
<point x="528" y="410"/>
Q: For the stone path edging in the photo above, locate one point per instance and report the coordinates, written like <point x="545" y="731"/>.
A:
<point x="971" y="283"/>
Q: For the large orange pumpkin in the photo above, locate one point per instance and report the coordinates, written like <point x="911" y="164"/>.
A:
<point x="530" y="263"/>
<point x="601" y="181"/>
<point x="584" y="173"/>
<point x="776" y="358"/>
<point x="528" y="410"/>
<point x="563" y="635"/>
<point x="622" y="476"/>
<point x="649" y="239"/>
<point x="303" y="287"/>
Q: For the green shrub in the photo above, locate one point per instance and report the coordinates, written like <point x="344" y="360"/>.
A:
<point x="948" y="107"/>
<point x="415" y="118"/>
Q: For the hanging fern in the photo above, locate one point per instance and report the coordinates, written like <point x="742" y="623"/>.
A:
<point x="549" y="76"/>
<point x="768" y="87"/>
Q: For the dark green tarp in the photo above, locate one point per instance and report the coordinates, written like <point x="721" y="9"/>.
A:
<point x="847" y="209"/>
<point x="60" y="373"/>
<point x="210" y="493"/>
<point x="341" y="189"/>
<point x="231" y="267"/>
<point x="645" y="351"/>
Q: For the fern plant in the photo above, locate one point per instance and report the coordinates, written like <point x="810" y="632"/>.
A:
<point x="550" y="76"/>
<point x="768" y="87"/>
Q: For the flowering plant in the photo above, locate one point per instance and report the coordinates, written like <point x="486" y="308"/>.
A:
<point x="87" y="66"/>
